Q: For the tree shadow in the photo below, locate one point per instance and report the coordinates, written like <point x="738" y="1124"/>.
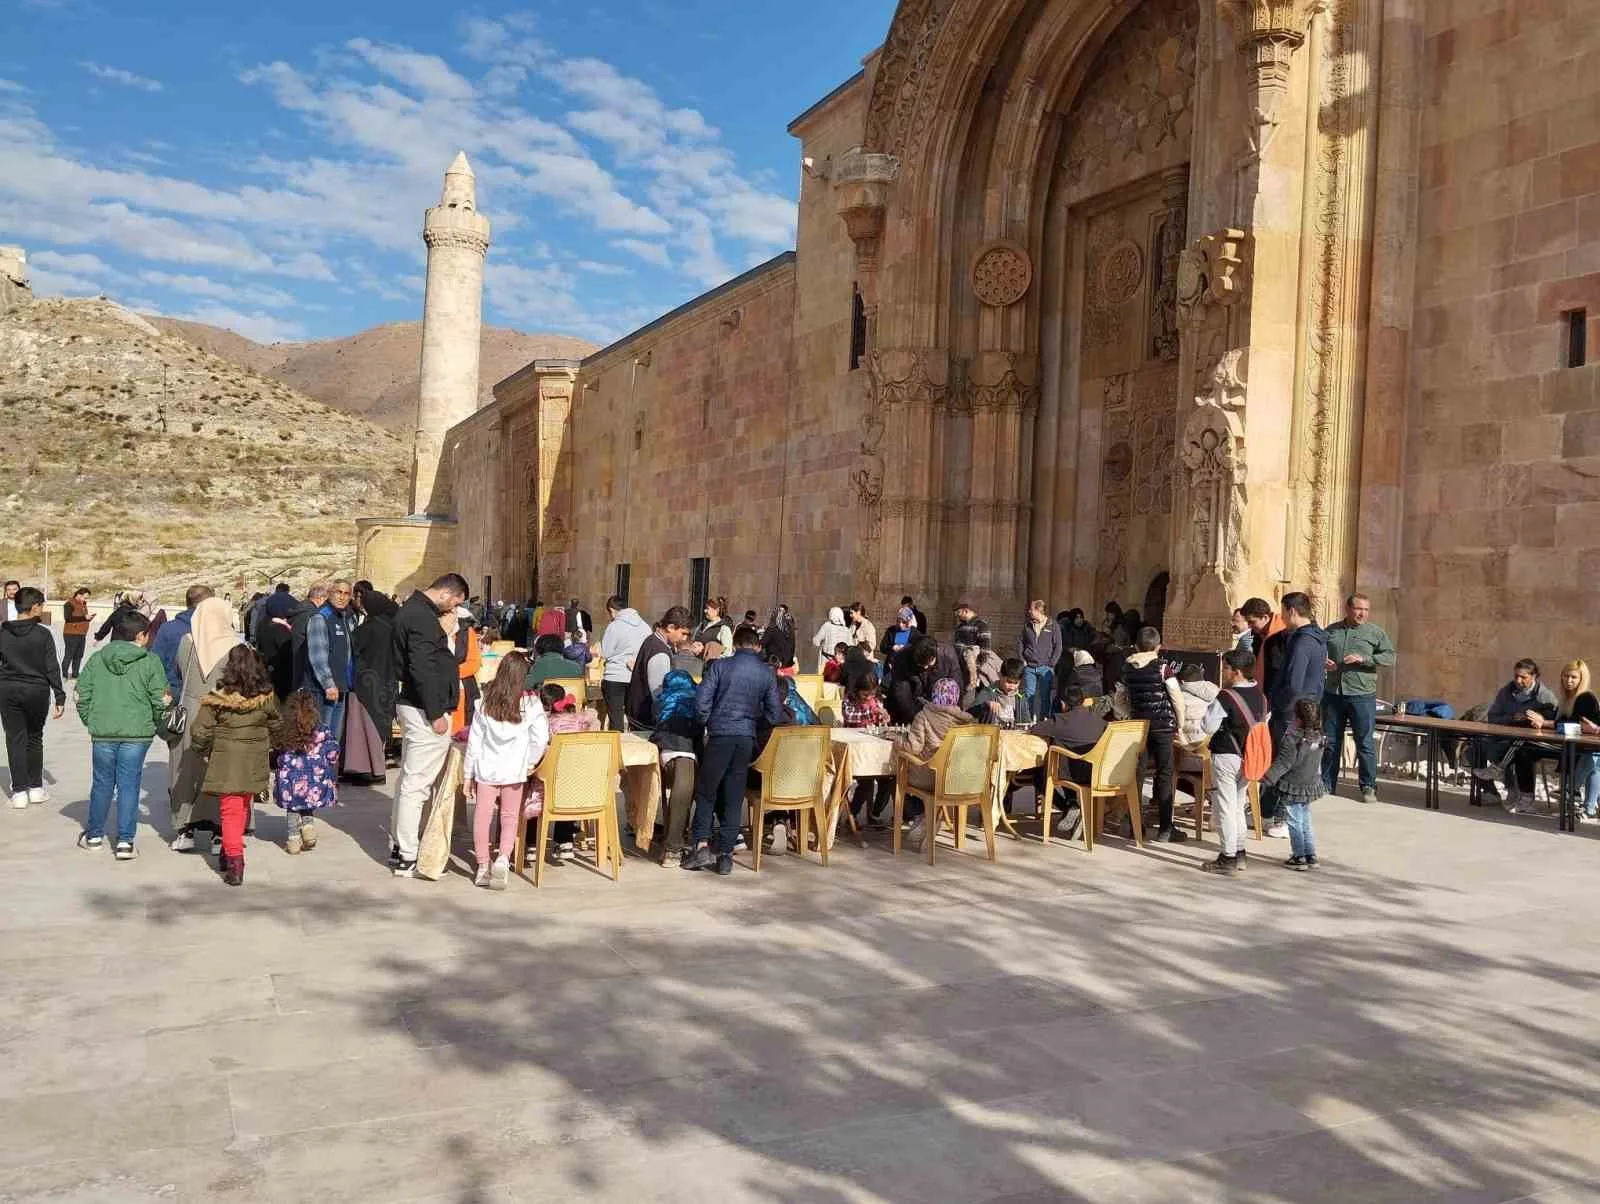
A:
<point x="889" y="1031"/>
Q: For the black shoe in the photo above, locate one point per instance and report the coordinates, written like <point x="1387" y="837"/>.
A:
<point x="394" y="855"/>
<point x="1222" y="865"/>
<point x="1295" y="863"/>
<point x="1240" y="859"/>
<point x="725" y="864"/>
<point x="1311" y="862"/>
<point x="405" y="869"/>
<point x="700" y="859"/>
<point x="1171" y="836"/>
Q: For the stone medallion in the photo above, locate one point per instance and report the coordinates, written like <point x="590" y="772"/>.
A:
<point x="1002" y="273"/>
<point x="1121" y="270"/>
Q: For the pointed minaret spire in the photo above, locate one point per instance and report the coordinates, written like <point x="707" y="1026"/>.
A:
<point x="458" y="238"/>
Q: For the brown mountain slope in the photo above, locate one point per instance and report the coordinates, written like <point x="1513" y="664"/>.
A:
<point x="374" y="373"/>
<point x="146" y="461"/>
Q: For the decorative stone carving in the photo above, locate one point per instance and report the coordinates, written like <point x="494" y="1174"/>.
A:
<point x="862" y="179"/>
<point x="1002" y="381"/>
<point x="1001" y="273"/>
<point x="916" y="57"/>
<point x="1269" y="32"/>
<point x="1167" y="252"/>
<point x="467" y="240"/>
<point x="1210" y="273"/>
<point x="1143" y="93"/>
<point x="1121" y="272"/>
<point x="1102" y="317"/>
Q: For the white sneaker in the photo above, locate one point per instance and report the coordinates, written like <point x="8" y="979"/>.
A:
<point x="1278" y="830"/>
<point x="780" y="841"/>
<point x="916" y="836"/>
<point x="481" y="878"/>
<point x="183" y="842"/>
<point x="19" y="800"/>
<point x="38" y="795"/>
<point x="499" y="872"/>
<point x="1070" y="825"/>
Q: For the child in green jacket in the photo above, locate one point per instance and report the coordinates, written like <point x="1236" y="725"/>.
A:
<point x="121" y="694"/>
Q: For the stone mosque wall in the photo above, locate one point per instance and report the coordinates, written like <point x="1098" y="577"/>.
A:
<point x="1502" y="450"/>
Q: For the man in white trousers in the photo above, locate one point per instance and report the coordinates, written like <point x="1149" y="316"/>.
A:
<point x="429" y="685"/>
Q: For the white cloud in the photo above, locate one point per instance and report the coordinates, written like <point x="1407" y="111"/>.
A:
<point x="81" y="263"/>
<point x="204" y="286"/>
<point x="650" y="252"/>
<point x="601" y="269"/>
<point x="11" y="85"/>
<point x="118" y="75"/>
<point x="263" y="328"/>
<point x="48" y="282"/>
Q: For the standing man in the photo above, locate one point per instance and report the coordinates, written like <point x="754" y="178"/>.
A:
<point x="652" y="664"/>
<point x="165" y="645"/>
<point x="1155" y="696"/>
<point x="1041" y="652"/>
<point x="30" y="672"/>
<point x="736" y="695"/>
<point x="75" y="622"/>
<point x="327" y="668"/>
<point x="11" y="599"/>
<point x="619" y="646"/>
<point x="1296" y="661"/>
<point x="1357" y="649"/>
<point x="1261" y="623"/>
<point x="971" y="637"/>
<point x="430" y="682"/>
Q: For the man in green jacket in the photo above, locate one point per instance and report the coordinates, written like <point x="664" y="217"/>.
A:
<point x="121" y="694"/>
<point x="1357" y="649"/>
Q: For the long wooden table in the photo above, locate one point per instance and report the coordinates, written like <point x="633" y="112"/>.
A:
<point x="1565" y="747"/>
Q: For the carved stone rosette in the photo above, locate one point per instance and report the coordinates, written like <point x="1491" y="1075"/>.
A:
<point x="1002" y="272"/>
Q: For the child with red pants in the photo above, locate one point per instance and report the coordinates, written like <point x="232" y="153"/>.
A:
<point x="235" y="729"/>
<point x="508" y="737"/>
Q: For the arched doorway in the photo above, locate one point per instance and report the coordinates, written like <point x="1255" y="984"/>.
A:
<point x="1155" y="600"/>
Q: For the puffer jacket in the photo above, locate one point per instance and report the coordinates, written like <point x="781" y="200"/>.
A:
<point x="1197" y="699"/>
<point x="738" y="695"/>
<point x="235" y="735"/>
<point x="1297" y="769"/>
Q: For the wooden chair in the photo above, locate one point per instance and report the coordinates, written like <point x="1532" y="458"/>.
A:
<point x="794" y="772"/>
<point x="580" y="774"/>
<point x="1203" y="781"/>
<point x="963" y="776"/>
<point x="578" y="687"/>
<point x="809" y="686"/>
<point x="1114" y="762"/>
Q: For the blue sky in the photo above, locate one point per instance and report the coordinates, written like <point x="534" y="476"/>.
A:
<point x="265" y="166"/>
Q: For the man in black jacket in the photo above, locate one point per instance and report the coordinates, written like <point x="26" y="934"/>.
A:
<point x="1154" y="696"/>
<point x="652" y="663"/>
<point x="430" y="682"/>
<point x="736" y="697"/>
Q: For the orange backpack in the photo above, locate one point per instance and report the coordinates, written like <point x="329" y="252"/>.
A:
<point x="1257" y="741"/>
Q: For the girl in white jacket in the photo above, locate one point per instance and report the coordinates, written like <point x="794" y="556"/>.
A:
<point x="508" y="738"/>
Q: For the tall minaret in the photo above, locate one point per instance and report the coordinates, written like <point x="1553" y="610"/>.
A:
<point x="452" y="316"/>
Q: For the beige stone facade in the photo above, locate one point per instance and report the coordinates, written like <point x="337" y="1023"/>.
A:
<point x="1172" y="301"/>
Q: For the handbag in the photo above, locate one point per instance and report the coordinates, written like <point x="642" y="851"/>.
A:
<point x="174" y="719"/>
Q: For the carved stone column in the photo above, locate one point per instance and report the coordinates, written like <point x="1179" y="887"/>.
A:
<point x="1002" y="392"/>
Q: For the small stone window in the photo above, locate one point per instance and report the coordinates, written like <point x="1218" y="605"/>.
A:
<point x="1577" y="335"/>
<point x="858" y="328"/>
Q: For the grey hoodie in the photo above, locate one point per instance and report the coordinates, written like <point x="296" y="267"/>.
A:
<point x="620" y="644"/>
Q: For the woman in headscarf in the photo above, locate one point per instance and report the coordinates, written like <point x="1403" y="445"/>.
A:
<point x="369" y="718"/>
<point x="927" y="732"/>
<point x="830" y="635"/>
<point x="275" y="641"/>
<point x="777" y="641"/>
<point x="201" y="656"/>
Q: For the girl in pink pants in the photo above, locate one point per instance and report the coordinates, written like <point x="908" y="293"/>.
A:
<point x="508" y="737"/>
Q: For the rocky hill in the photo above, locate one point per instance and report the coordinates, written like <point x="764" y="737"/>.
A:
<point x="373" y="373"/>
<point x="148" y="461"/>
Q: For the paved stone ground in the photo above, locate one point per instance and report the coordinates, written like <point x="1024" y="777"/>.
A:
<point x="1414" y="1023"/>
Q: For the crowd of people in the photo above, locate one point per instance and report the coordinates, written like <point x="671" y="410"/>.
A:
<point x="284" y="696"/>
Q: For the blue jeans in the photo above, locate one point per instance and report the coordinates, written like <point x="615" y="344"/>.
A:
<point x="719" y="792"/>
<point x="1301" y="842"/>
<point x="118" y="767"/>
<point x="1039" y="683"/>
<point x="1360" y="712"/>
<point x="333" y="716"/>
<point x="1588" y="772"/>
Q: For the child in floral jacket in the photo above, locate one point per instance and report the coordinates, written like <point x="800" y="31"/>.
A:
<point x="306" y="776"/>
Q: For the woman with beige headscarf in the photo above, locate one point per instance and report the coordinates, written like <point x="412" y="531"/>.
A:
<point x="201" y="655"/>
